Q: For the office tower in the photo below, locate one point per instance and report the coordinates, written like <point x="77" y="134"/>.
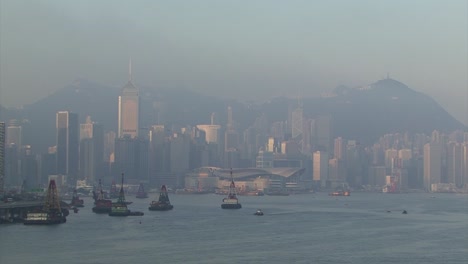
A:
<point x="338" y="150"/>
<point x="465" y="164"/>
<point x="297" y="123"/>
<point x="455" y="163"/>
<point x="320" y="168"/>
<point x="2" y="157"/>
<point x="323" y="133"/>
<point x="390" y="156"/>
<point x="231" y="135"/>
<point x="231" y="143"/>
<point x="29" y="167"/>
<point x="91" y="151"/>
<point x="432" y="164"/>
<point x="179" y="157"/>
<point x="159" y="159"/>
<point x="14" y="134"/>
<point x="131" y="158"/>
<point x="377" y="176"/>
<point x="67" y="143"/>
<point x="129" y="109"/>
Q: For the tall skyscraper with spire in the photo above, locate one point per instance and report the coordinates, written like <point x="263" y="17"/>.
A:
<point x="129" y="109"/>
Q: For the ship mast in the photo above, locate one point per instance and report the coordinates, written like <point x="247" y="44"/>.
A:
<point x="121" y="193"/>
<point x="232" y="188"/>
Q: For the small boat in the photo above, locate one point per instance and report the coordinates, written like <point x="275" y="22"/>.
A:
<point x="141" y="194"/>
<point x="231" y="201"/>
<point x="163" y="204"/>
<point x="258" y="212"/>
<point x="51" y="213"/>
<point x="340" y="193"/>
<point x="404" y="212"/>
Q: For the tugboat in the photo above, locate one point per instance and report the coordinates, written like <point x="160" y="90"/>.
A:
<point x="141" y="192"/>
<point x="163" y="204"/>
<point x="231" y="201"/>
<point x="51" y="213"/>
<point x="76" y="201"/>
<point x="102" y="205"/>
<point x="120" y="207"/>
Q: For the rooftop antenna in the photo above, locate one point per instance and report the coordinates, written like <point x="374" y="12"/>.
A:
<point x="130" y="69"/>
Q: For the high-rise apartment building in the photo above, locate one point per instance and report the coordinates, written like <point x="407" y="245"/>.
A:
<point x="129" y="109"/>
<point x="67" y="143"/>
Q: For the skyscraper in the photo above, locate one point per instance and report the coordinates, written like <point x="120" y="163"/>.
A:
<point x="67" y="143"/>
<point x="2" y="156"/>
<point x="91" y="150"/>
<point x="129" y="109"/>
<point x="432" y="164"/>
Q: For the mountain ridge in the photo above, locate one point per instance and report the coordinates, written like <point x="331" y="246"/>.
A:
<point x="364" y="114"/>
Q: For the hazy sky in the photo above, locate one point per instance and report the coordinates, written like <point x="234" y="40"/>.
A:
<point x="251" y="48"/>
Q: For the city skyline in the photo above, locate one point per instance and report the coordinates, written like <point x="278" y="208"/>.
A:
<point x="267" y="48"/>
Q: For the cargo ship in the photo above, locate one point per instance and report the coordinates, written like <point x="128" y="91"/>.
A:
<point x="231" y="201"/>
<point x="163" y="204"/>
<point x="51" y="213"/>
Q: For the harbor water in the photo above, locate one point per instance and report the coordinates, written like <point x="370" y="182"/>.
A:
<point x="304" y="228"/>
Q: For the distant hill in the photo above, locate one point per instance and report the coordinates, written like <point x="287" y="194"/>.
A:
<point x="364" y="114"/>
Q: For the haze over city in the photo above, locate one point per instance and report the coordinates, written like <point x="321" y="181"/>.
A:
<point x="255" y="50"/>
